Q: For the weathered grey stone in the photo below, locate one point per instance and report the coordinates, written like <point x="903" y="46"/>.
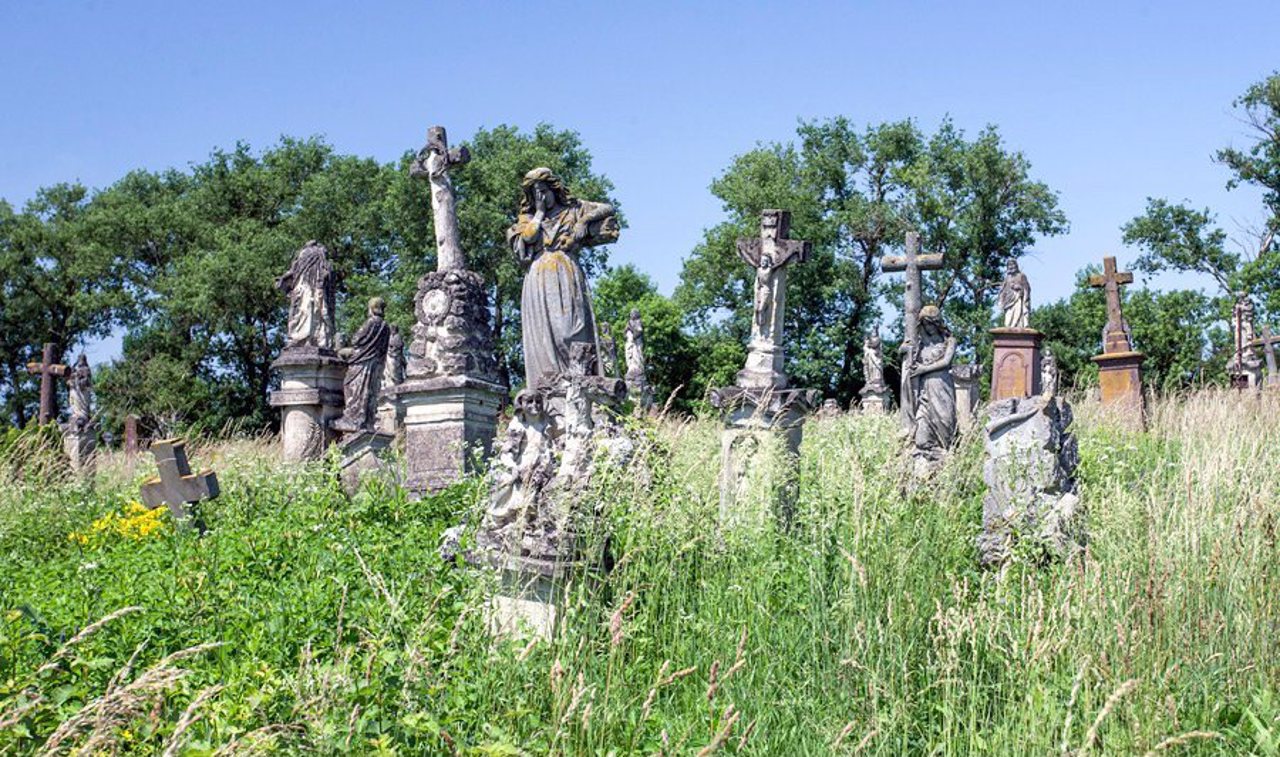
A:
<point x="364" y="454"/>
<point x="759" y="453"/>
<point x="873" y="362"/>
<point x="390" y="412"/>
<point x="177" y="486"/>
<point x="434" y="161"/>
<point x="555" y="302"/>
<point x="449" y="425"/>
<point x="1268" y="344"/>
<point x="637" y="373"/>
<point x="830" y="409"/>
<point x="310" y="399"/>
<point x="1244" y="367"/>
<point x="932" y="392"/>
<point x="1031" y="459"/>
<point x="80" y="432"/>
<point x="311" y="285"/>
<point x="968" y="380"/>
<point x="911" y="264"/>
<point x="608" y="350"/>
<point x="1015" y="298"/>
<point x="771" y="254"/>
<point x="366" y="360"/>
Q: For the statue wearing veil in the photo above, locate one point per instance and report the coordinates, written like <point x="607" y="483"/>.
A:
<point x="309" y="282"/>
<point x="555" y="303"/>
<point x="1015" y="297"/>
<point x="933" y="387"/>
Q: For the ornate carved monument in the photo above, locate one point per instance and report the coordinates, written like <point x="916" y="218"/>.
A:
<point x="451" y="393"/>
<point x="310" y="393"/>
<point x="875" y="392"/>
<point x="1016" y="362"/>
<point x="366" y="358"/>
<point x="80" y="432"/>
<point x="1244" y="367"/>
<point x="1119" y="365"/>
<point x="760" y="408"/>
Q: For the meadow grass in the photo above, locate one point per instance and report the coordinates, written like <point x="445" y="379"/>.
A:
<point x="305" y="620"/>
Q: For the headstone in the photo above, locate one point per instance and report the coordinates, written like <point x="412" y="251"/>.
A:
<point x="48" y="369"/>
<point x="830" y="409"/>
<point x="1029" y="470"/>
<point x="176" y="486"/>
<point x="875" y="392"/>
<point x="310" y="393"/>
<point x="968" y="379"/>
<point x="452" y="393"/>
<point x="1268" y="344"/>
<point x="80" y="432"/>
<point x="637" y="375"/>
<point x="1016" y="359"/>
<point x="932" y="392"/>
<point x="366" y="358"/>
<point x="910" y="265"/>
<point x="1244" y="367"/>
<point x="760" y="411"/>
<point x="1119" y="365"/>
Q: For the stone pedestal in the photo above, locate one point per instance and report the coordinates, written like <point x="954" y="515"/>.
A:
<point x="1120" y="385"/>
<point x="79" y="447"/>
<point x="527" y="602"/>
<point x="1016" y="363"/>
<point x="448" y="421"/>
<point x="1246" y="377"/>
<point x="759" y="451"/>
<point x="876" y="399"/>
<point x="363" y="453"/>
<point x="310" y="397"/>
<point x="968" y="393"/>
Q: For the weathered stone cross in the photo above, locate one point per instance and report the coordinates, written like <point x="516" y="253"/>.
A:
<point x="770" y="254"/>
<point x="1269" y="348"/>
<point x="1116" y="335"/>
<point x="47" y="370"/>
<point x="910" y="265"/>
<point x="176" y="486"/>
<point x="434" y="162"/>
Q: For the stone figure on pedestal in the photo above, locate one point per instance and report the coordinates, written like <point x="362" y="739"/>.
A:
<point x="393" y="373"/>
<point x="310" y="284"/>
<point x="771" y="254"/>
<point x="555" y="303"/>
<point x="1015" y="298"/>
<point x="875" y="392"/>
<point x="933" y="389"/>
<point x="637" y="374"/>
<point x="80" y="433"/>
<point x="366" y="363"/>
<point x="1244" y="367"/>
<point x="525" y="465"/>
<point x="608" y="351"/>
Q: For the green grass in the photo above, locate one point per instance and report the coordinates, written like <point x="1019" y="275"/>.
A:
<point x="864" y="627"/>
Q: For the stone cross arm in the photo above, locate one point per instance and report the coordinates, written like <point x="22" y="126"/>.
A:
<point x="913" y="260"/>
<point x="1110" y="275"/>
<point x="774" y="241"/>
<point x="177" y="486"/>
<point x="438" y="143"/>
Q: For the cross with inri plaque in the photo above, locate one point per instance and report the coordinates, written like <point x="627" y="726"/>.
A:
<point x="176" y="486"/>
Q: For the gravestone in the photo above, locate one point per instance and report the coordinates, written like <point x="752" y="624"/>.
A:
<point x="760" y="411"/>
<point x="451" y="395"/>
<point x="1268" y="344"/>
<point x="310" y="393"/>
<point x="48" y="369"/>
<point x="875" y="393"/>
<point x="177" y="486"/>
<point x="968" y="379"/>
<point x="932" y="392"/>
<point x="80" y="432"/>
<point x="1016" y="359"/>
<point x="1119" y="365"/>
<point x="830" y="409"/>
<point x="130" y="441"/>
<point x="910" y="264"/>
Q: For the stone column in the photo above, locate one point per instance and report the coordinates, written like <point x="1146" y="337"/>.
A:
<point x="310" y="398"/>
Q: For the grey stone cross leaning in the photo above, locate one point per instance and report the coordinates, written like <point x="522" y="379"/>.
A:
<point x="176" y="486"/>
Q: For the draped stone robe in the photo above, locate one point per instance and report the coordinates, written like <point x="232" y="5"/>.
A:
<point x="365" y="368"/>
<point x="309" y="283"/>
<point x="934" y="397"/>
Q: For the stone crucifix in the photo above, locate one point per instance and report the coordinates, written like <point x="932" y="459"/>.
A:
<point x="1115" y="335"/>
<point x="910" y="265"/>
<point x="47" y="370"/>
<point x="770" y="254"/>
<point x="434" y="162"/>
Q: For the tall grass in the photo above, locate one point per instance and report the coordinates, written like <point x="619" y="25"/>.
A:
<point x="864" y="627"/>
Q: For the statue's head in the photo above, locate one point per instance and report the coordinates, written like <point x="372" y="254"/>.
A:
<point x="529" y="404"/>
<point x="541" y="188"/>
<point x="82" y="361"/>
<point x="635" y="314"/>
<point x="377" y="306"/>
<point x="931" y="320"/>
<point x="1011" y="267"/>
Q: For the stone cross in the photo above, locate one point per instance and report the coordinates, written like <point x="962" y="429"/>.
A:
<point x="434" y="162"/>
<point x="176" y="486"/>
<point x="770" y="254"/>
<point x="1269" y="349"/>
<point x="47" y="370"/>
<point x="910" y="265"/>
<point x="1116" y="334"/>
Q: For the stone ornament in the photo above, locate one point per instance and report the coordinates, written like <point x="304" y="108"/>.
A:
<point x="933" y="392"/>
<point x="555" y="302"/>
<point x="873" y="362"/>
<point x="310" y="284"/>
<point x="366" y="363"/>
<point x="176" y="486"/>
<point x="1015" y="298"/>
<point x="1244" y="366"/>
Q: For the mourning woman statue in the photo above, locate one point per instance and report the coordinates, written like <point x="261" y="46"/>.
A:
<point x="933" y="388"/>
<point x="309" y="282"/>
<point x="366" y="362"/>
<point x="1015" y="298"/>
<point x="555" y="304"/>
<point x="80" y="394"/>
<point x="873" y="361"/>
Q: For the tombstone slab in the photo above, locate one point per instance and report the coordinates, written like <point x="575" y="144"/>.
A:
<point x="364" y="454"/>
<point x="1016" y="363"/>
<point x="310" y="399"/>
<point x="1119" y="365"/>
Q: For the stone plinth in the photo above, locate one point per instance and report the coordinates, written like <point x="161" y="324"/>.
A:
<point x="527" y="602"/>
<point x="876" y="399"/>
<point x="446" y="420"/>
<point x="79" y="447"/>
<point x="363" y="453"/>
<point x="1016" y="363"/>
<point x="1120" y="385"/>
<point x="759" y="452"/>
<point x="968" y="394"/>
<point x="310" y="397"/>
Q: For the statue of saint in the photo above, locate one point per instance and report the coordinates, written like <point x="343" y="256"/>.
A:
<point x="310" y="283"/>
<point x="366" y="362"/>
<point x="1243" y="355"/>
<point x="393" y="375"/>
<point x="1048" y="374"/>
<point x="873" y="360"/>
<point x="555" y="303"/>
<point x="933" y="388"/>
<point x="1015" y="298"/>
<point x="81" y="395"/>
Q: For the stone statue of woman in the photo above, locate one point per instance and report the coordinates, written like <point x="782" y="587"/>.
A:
<point x="81" y="395"/>
<point x="310" y="283"/>
<point x="873" y="360"/>
<point x="933" y="388"/>
<point x="555" y="303"/>
<point x="1015" y="298"/>
<point x="366" y="362"/>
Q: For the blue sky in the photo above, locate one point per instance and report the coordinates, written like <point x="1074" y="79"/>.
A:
<point x="1111" y="102"/>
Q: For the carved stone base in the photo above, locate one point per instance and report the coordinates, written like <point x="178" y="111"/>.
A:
<point x="1120" y="386"/>
<point x="447" y="422"/>
<point x="1246" y="378"/>
<point x="310" y="398"/>
<point x="759" y="453"/>
<point x="526" y="604"/>
<point x="452" y="336"/>
<point x="364" y="453"/>
<point x="1016" y="363"/>
<point x="80" y="447"/>
<point x="876" y="400"/>
<point x="968" y="379"/>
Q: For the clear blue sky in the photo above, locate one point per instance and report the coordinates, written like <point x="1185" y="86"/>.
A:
<point x="1111" y="101"/>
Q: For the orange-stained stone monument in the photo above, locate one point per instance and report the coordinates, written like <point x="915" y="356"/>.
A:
<point x="1016" y="363"/>
<point x="1119" y="365"/>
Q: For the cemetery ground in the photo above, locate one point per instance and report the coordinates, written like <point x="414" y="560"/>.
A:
<point x="303" y="620"/>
